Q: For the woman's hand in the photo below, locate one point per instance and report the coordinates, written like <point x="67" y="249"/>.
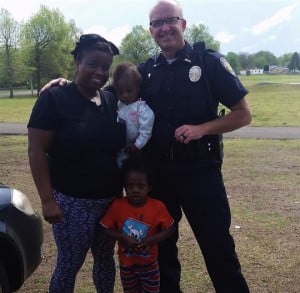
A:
<point x="51" y="211"/>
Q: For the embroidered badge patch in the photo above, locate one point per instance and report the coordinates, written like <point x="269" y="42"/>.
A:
<point x="227" y="66"/>
<point x="195" y="73"/>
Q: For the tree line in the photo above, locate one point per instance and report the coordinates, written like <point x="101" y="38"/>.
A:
<point x="39" y="49"/>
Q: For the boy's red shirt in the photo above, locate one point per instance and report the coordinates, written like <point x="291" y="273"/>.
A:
<point x="137" y="222"/>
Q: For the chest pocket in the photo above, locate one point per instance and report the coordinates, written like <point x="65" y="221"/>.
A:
<point x="192" y="102"/>
<point x="153" y="91"/>
<point x="173" y="96"/>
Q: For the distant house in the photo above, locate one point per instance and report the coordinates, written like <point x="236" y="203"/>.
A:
<point x="256" y="71"/>
<point x="278" y="70"/>
<point x="252" y="72"/>
<point x="272" y="69"/>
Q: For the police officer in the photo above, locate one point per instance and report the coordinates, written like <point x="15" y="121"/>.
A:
<point x="184" y="93"/>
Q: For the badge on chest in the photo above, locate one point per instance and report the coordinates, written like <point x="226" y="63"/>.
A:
<point x="195" y="73"/>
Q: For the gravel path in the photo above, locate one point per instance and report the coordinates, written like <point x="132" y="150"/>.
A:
<point x="244" y="132"/>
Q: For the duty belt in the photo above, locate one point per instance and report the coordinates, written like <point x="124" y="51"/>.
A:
<point x="205" y="148"/>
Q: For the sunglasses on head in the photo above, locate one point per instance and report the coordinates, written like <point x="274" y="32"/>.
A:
<point x="94" y="38"/>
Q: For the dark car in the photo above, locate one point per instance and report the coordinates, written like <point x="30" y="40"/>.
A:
<point x="21" y="237"/>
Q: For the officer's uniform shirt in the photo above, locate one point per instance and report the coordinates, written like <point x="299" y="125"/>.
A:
<point x="178" y="93"/>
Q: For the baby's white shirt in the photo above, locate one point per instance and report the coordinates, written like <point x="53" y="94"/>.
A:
<point x="139" y="120"/>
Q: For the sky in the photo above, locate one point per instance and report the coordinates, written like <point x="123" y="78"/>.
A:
<point x="240" y="25"/>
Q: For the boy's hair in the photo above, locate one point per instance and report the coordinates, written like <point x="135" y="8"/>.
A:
<point x="136" y="163"/>
<point x="126" y="70"/>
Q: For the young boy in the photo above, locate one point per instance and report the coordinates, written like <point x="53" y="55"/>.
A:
<point x="138" y="222"/>
<point x="137" y="114"/>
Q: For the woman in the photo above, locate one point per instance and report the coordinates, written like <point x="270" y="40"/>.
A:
<point x="74" y="138"/>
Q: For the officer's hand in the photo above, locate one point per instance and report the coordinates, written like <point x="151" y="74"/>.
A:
<point x="58" y="81"/>
<point x="186" y="133"/>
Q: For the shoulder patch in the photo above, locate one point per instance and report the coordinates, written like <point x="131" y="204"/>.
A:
<point x="227" y="66"/>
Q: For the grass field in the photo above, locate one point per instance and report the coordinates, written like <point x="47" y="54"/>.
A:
<point x="262" y="179"/>
<point x="274" y="101"/>
<point x="251" y="80"/>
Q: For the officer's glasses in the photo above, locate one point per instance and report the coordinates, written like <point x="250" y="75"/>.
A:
<point x="169" y="21"/>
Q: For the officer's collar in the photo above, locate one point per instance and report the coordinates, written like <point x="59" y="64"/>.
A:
<point x="184" y="54"/>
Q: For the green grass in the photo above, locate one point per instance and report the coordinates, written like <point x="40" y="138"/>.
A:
<point x="262" y="180"/>
<point x="274" y="104"/>
<point x="251" y="80"/>
<point x="273" y="101"/>
<point x="17" y="109"/>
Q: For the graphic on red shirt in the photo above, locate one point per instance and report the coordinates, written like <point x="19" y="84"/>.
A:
<point x="137" y="230"/>
<point x="138" y="222"/>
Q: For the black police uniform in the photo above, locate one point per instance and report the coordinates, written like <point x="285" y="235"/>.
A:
<point x="189" y="177"/>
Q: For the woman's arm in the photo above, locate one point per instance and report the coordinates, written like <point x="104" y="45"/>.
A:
<point x="39" y="142"/>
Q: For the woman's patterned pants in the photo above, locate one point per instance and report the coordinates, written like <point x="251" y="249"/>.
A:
<point x="74" y="236"/>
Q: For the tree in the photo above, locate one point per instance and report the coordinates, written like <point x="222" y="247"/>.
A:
<point x="200" y="33"/>
<point x="47" y="42"/>
<point x="234" y="61"/>
<point x="284" y="59"/>
<point x="245" y="60"/>
<point x="9" y="30"/>
<point x="74" y="36"/>
<point x="262" y="58"/>
<point x="137" y="46"/>
<point x="295" y="62"/>
<point x="266" y="69"/>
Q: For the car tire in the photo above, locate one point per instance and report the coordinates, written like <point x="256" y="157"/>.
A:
<point x="4" y="282"/>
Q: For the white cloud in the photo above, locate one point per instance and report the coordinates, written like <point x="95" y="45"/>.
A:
<point x="238" y="33"/>
<point x="248" y="48"/>
<point x="114" y="35"/>
<point x="282" y="15"/>
<point x="272" y="38"/>
<point x="224" y="37"/>
<point x="23" y="10"/>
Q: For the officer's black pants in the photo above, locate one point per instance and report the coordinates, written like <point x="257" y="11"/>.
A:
<point x="198" y="189"/>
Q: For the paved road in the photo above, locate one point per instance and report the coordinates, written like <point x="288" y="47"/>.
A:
<point x="244" y="132"/>
<point x="18" y="93"/>
<point x="265" y="133"/>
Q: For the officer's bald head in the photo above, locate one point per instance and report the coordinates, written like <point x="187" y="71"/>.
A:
<point x="163" y="3"/>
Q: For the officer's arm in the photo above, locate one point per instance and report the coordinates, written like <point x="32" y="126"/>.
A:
<point x="58" y="81"/>
<point x="238" y="116"/>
